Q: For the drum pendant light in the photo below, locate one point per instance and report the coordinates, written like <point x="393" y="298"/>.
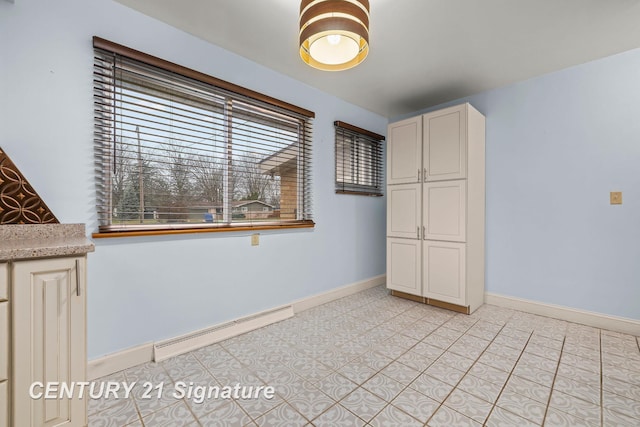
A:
<point x="334" y="34"/>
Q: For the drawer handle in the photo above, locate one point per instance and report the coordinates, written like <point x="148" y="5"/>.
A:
<point x="78" y="277"/>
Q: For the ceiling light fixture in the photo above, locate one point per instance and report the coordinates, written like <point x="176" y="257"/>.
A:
<point x="334" y="34"/>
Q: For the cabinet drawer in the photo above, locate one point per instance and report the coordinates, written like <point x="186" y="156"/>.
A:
<point x="4" y="340"/>
<point x="4" y="404"/>
<point x="4" y="281"/>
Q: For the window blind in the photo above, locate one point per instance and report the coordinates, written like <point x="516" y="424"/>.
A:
<point x="358" y="160"/>
<point x="179" y="149"/>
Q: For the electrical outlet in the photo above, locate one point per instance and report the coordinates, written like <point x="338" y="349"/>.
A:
<point x="255" y="239"/>
<point x="616" y="197"/>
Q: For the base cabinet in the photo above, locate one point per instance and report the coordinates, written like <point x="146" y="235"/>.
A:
<point x="444" y="274"/>
<point x="4" y="407"/>
<point x="404" y="265"/>
<point x="4" y="345"/>
<point x="48" y="339"/>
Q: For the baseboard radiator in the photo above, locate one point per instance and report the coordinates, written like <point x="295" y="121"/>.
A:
<point x="175" y="346"/>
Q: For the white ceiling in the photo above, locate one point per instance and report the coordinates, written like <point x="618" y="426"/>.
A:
<point x="422" y="52"/>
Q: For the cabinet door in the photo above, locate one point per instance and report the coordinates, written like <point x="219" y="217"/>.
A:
<point x="404" y="202"/>
<point x="403" y="265"/>
<point x="445" y="210"/>
<point x="48" y="299"/>
<point x="4" y="341"/>
<point x="445" y="144"/>
<point x="4" y="403"/>
<point x="404" y="151"/>
<point x="444" y="272"/>
<point x="4" y="281"/>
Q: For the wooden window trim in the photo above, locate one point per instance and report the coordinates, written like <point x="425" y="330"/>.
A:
<point x="195" y="230"/>
<point x="358" y="130"/>
<point x="196" y="75"/>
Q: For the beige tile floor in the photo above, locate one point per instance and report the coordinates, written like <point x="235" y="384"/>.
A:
<point x="373" y="359"/>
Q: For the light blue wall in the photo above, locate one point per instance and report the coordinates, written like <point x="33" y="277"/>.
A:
<point x="147" y="289"/>
<point x="556" y="146"/>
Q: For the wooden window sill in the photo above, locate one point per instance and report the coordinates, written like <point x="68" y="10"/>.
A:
<point x="177" y="230"/>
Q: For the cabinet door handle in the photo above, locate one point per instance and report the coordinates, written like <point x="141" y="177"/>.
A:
<point x="425" y="174"/>
<point x="424" y="234"/>
<point x="418" y="175"/>
<point x="418" y="232"/>
<point x="78" y="277"/>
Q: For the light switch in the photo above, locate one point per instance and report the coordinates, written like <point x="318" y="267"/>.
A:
<point x="255" y="239"/>
<point x="616" y="197"/>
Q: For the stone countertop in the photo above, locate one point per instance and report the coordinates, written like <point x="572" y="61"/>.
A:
<point x="19" y="242"/>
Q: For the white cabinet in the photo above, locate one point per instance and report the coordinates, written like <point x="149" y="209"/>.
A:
<point x="404" y="210"/>
<point x="445" y="208"/>
<point x="404" y="151"/>
<point x="444" y="274"/>
<point x="445" y="144"/>
<point x="4" y="408"/>
<point x="4" y="345"/>
<point x="4" y="341"/>
<point x="42" y="323"/>
<point x="49" y="338"/>
<point x="404" y="270"/>
<point x="4" y="281"/>
<point x="447" y="231"/>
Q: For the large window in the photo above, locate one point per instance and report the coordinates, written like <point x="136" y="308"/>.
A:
<point x="358" y="160"/>
<point x="180" y="150"/>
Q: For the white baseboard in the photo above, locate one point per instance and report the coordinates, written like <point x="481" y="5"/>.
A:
<point x="119" y="361"/>
<point x="192" y="341"/>
<point x="589" y="318"/>
<point x="131" y="357"/>
<point x="334" y="294"/>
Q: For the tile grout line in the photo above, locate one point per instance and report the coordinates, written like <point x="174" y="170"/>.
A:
<point x="220" y="384"/>
<point x="281" y="338"/>
<point x="495" y="403"/>
<point x="379" y="371"/>
<point x="183" y="399"/>
<point x="214" y="378"/>
<point x="351" y="359"/>
<point x="441" y="404"/>
<point x="396" y="360"/>
<point x="286" y="401"/>
<point x="466" y="372"/>
<point x="254" y="373"/>
<point x="135" y="404"/>
<point x="546" y="410"/>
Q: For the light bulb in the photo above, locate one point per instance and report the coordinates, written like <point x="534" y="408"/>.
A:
<point x="333" y="39"/>
<point x="334" y="49"/>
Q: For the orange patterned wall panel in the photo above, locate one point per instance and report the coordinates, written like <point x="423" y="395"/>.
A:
<point x="19" y="203"/>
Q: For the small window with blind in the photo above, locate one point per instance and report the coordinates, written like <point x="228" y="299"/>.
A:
<point x="177" y="149"/>
<point x="358" y="160"/>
